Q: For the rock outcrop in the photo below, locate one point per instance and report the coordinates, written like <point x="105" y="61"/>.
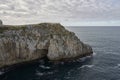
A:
<point x="1" y="22"/>
<point x="30" y="42"/>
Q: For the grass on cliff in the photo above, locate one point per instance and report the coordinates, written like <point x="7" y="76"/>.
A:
<point x="6" y="27"/>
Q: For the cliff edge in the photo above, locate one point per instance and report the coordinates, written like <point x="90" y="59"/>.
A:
<point x="30" y="42"/>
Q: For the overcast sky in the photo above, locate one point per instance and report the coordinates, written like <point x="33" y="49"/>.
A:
<point x="68" y="12"/>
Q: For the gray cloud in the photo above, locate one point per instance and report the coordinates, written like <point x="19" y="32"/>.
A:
<point x="27" y="11"/>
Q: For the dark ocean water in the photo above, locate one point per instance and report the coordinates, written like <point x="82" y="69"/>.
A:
<point x="103" y="65"/>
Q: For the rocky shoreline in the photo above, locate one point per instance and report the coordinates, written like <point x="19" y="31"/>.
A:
<point x="20" y="44"/>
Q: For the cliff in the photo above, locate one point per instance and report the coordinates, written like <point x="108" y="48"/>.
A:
<point x="30" y="42"/>
<point x="1" y="22"/>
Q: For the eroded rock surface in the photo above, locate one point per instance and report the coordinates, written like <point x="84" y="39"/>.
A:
<point x="30" y="42"/>
<point x="1" y="22"/>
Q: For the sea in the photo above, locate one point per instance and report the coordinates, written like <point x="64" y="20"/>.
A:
<point x="104" y="64"/>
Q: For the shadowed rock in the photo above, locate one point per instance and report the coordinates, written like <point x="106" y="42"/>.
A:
<point x="1" y="22"/>
<point x="30" y="42"/>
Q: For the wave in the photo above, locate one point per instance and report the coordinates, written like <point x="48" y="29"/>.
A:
<point x="44" y="73"/>
<point x="88" y="66"/>
<point x="118" y="66"/>
<point x="39" y="74"/>
<point x="44" y="67"/>
<point x="84" y="58"/>
<point x="94" y="54"/>
<point x="112" y="52"/>
<point x="1" y="73"/>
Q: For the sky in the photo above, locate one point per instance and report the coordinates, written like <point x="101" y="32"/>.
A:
<point x="66" y="12"/>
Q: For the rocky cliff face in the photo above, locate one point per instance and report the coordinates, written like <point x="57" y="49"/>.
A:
<point x="26" y="43"/>
<point x="1" y="22"/>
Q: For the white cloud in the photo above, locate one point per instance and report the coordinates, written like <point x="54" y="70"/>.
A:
<point x="31" y="11"/>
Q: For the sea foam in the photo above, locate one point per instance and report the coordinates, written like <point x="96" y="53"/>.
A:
<point x="86" y="66"/>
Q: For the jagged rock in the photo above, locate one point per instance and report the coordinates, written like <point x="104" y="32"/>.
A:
<point x="30" y="42"/>
<point x="1" y="22"/>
